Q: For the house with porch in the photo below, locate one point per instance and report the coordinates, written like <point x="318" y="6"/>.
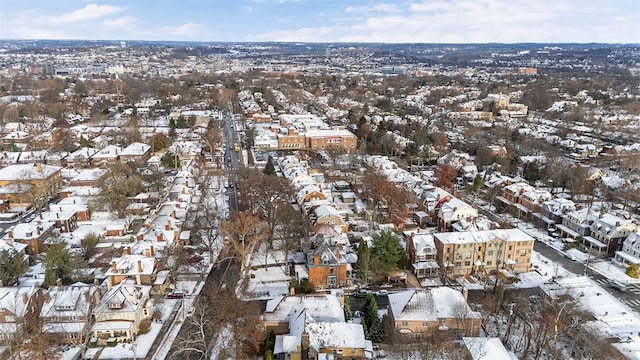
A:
<point x="422" y="254"/>
<point x="630" y="253"/>
<point x="608" y="232"/>
<point x="120" y="313"/>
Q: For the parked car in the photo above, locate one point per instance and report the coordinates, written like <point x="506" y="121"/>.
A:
<point x="617" y="285"/>
<point x="570" y="257"/>
<point x="175" y="295"/>
<point x="382" y="293"/>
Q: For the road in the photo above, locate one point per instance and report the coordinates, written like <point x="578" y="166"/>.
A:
<point x="630" y="297"/>
<point x="232" y="160"/>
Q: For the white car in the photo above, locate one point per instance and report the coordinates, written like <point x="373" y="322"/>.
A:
<point x="382" y="293"/>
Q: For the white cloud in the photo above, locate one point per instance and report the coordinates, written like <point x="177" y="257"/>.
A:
<point x="183" y="30"/>
<point x="474" y="21"/>
<point x="89" y="12"/>
<point x="381" y="7"/>
<point x="126" y="22"/>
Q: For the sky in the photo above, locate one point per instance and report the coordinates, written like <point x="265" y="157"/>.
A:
<point x="389" y="21"/>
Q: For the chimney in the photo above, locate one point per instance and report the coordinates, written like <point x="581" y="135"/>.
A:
<point x="139" y="266"/>
<point x="114" y="268"/>
<point x="57" y="215"/>
<point x="153" y="253"/>
<point x="96" y="282"/>
<point x="136" y="297"/>
<point x="38" y="230"/>
<point x="617" y="223"/>
<point x="74" y="201"/>
<point x="10" y="234"/>
<point x="25" y="298"/>
<point x="465" y="293"/>
<point x="168" y="226"/>
<point x="39" y="167"/>
<point x="292" y="291"/>
<point x="1" y="283"/>
<point x="173" y="214"/>
<point x="126" y="251"/>
<point x="59" y="282"/>
<point x="147" y="252"/>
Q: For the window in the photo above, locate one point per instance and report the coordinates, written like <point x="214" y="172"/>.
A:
<point x="489" y="262"/>
<point x="467" y="255"/>
<point x="467" y="263"/>
<point x="405" y="323"/>
<point x="458" y="263"/>
<point x="332" y="280"/>
<point x="523" y="252"/>
<point x="490" y="253"/>
<point x="510" y="247"/>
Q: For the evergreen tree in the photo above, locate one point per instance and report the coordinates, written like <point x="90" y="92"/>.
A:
<point x="389" y="251"/>
<point x="347" y="309"/>
<point x="364" y="258"/>
<point x="370" y="318"/>
<point x="12" y="265"/>
<point x="170" y="160"/>
<point x="269" y="169"/>
<point x="60" y="262"/>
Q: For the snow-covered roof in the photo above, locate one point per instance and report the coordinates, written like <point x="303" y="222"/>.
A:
<point x="482" y="236"/>
<point x="429" y="305"/>
<point x="487" y="348"/>
<point x="28" y="172"/>
<point x="324" y="308"/>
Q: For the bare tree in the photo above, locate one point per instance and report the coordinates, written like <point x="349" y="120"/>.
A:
<point x="243" y="231"/>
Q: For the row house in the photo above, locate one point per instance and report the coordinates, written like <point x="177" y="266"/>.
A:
<point x="608" y="232"/>
<point x="484" y="252"/>
<point x="630" y="253"/>
<point x="576" y="224"/>
<point x="555" y="208"/>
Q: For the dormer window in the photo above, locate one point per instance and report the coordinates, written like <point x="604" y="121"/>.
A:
<point x="113" y="305"/>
